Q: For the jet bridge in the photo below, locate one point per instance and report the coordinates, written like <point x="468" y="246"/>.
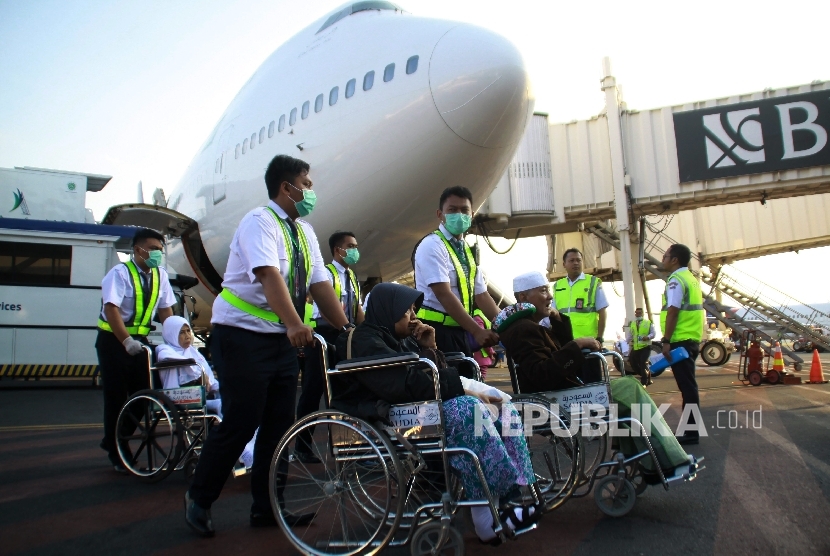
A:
<point x="746" y="175"/>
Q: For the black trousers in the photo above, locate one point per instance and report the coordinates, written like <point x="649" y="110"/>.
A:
<point x="684" y="375"/>
<point x="313" y="383"/>
<point x="258" y="383"/>
<point x="122" y="375"/>
<point x="638" y="359"/>
<point x="451" y="338"/>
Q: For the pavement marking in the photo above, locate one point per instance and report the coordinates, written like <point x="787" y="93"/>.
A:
<point x="757" y="504"/>
<point x="21" y="428"/>
<point x="814" y="389"/>
<point x="787" y="445"/>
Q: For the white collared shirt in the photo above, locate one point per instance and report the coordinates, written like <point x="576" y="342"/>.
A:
<point x="433" y="266"/>
<point x="344" y="292"/>
<point x="258" y="242"/>
<point x="601" y="300"/>
<point x="674" y="290"/>
<point x="117" y="288"/>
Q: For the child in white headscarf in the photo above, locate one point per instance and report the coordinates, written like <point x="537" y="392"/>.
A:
<point x="179" y="345"/>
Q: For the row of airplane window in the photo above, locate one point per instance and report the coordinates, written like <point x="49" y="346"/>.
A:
<point x="305" y="110"/>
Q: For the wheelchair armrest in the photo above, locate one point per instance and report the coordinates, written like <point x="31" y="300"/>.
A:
<point x="170" y="363"/>
<point x="377" y="360"/>
<point x="453" y="355"/>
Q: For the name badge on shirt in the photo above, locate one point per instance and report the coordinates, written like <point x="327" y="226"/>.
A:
<point x="580" y="303"/>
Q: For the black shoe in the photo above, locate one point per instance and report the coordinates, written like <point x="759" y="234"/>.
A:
<point x="267" y="519"/>
<point x="197" y="517"/>
<point x="120" y="469"/>
<point x="306" y="457"/>
<point x="686" y="440"/>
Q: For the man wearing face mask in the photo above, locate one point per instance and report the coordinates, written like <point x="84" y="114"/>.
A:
<point x="131" y="293"/>
<point x="345" y="254"/>
<point x="453" y="286"/>
<point x="258" y="327"/>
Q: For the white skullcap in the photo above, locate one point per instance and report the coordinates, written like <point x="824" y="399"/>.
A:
<point x="528" y="281"/>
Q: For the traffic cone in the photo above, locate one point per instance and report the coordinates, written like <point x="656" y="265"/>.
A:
<point x="777" y="358"/>
<point x="816" y="374"/>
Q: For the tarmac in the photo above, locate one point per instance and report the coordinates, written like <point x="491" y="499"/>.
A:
<point x="765" y="489"/>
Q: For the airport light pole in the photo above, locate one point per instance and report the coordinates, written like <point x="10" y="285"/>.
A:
<point x="620" y="180"/>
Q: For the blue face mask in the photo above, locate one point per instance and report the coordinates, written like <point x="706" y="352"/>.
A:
<point x="457" y="223"/>
<point x="352" y="256"/>
<point x="305" y="206"/>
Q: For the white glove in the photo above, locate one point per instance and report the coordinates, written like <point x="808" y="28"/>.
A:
<point x="133" y="346"/>
<point x="484" y="392"/>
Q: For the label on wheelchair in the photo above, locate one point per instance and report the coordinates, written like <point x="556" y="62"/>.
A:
<point x="570" y="401"/>
<point x="190" y="397"/>
<point x="415" y="415"/>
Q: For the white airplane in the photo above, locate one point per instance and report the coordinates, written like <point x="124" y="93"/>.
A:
<point x="387" y="108"/>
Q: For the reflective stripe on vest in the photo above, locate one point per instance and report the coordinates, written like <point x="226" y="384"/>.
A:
<point x="466" y="286"/>
<point x="644" y="329"/>
<point x="691" y="317"/>
<point x="289" y="241"/>
<point x="140" y="323"/>
<point x="267" y="314"/>
<point x="582" y="311"/>
<point x="338" y="287"/>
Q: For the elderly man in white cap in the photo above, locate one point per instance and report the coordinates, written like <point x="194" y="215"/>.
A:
<point x="548" y="358"/>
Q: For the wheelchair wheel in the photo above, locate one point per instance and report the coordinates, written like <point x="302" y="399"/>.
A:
<point x="554" y="450"/>
<point x="426" y="537"/>
<point x="615" y="495"/>
<point x="355" y="491"/>
<point x="593" y="449"/>
<point x="149" y="435"/>
<point x="427" y="486"/>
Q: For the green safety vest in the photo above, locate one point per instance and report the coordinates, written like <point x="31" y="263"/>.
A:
<point x="579" y="302"/>
<point x="466" y="286"/>
<point x="338" y="290"/>
<point x="140" y="323"/>
<point x="268" y="314"/>
<point x="691" y="317"/>
<point x="645" y="326"/>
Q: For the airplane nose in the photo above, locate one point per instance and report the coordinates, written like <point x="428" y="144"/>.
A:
<point x="480" y="86"/>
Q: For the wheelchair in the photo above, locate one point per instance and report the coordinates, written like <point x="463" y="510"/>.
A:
<point x="376" y="486"/>
<point x="162" y="430"/>
<point x="615" y="481"/>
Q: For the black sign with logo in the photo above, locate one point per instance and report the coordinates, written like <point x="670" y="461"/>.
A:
<point x="753" y="137"/>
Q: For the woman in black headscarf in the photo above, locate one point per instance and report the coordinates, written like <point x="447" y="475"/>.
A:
<point x="391" y="327"/>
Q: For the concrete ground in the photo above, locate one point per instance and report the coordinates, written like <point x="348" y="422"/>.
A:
<point x="765" y="489"/>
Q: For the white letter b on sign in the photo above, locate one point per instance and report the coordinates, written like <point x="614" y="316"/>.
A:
<point x="787" y="129"/>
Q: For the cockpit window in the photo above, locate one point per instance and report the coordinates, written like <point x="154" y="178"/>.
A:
<point x="358" y="7"/>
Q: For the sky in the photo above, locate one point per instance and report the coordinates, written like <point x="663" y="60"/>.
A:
<point x="132" y="89"/>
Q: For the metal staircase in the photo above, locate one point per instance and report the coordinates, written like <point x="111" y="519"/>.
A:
<point x="794" y="320"/>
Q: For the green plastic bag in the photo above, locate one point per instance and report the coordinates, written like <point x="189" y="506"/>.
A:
<point x="628" y="391"/>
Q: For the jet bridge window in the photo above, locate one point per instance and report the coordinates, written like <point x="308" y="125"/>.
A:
<point x="389" y="73"/>
<point x="292" y="118"/>
<point x="245" y="146"/>
<point x="412" y="65"/>
<point x="253" y="140"/>
<point x="318" y="103"/>
<point x="34" y="263"/>
<point x="333" y="96"/>
<point x="368" y="80"/>
<point x="350" y="88"/>
<point x="306" y="106"/>
<point x="271" y="129"/>
<point x="282" y="123"/>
